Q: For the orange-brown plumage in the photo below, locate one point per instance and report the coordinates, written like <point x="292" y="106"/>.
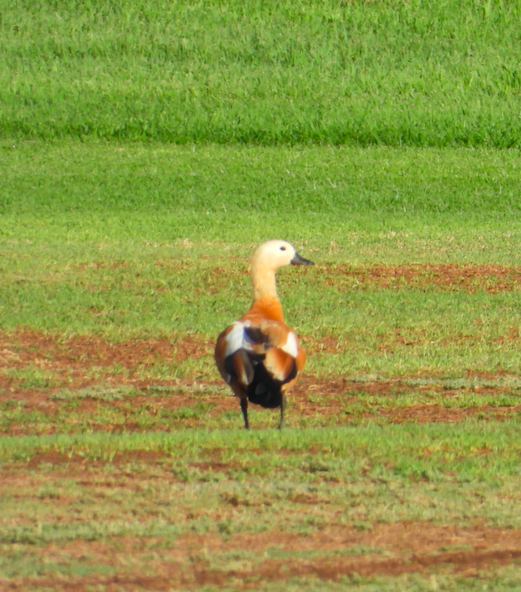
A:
<point x="259" y="355"/>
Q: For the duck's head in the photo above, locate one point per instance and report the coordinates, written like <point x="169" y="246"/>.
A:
<point x="275" y="254"/>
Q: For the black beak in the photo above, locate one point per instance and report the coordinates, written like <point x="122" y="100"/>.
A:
<point x="298" y="260"/>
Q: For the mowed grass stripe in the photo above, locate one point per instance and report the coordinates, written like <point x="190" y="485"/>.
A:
<point x="415" y="73"/>
<point x="209" y="188"/>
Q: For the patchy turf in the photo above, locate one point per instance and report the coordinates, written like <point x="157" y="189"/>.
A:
<point x="52" y="384"/>
<point x="193" y="559"/>
<point x="219" y="517"/>
<point x="450" y="276"/>
<point x="151" y="526"/>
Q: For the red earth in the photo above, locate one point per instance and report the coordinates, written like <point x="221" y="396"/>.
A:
<point x="409" y="547"/>
<point x="69" y="363"/>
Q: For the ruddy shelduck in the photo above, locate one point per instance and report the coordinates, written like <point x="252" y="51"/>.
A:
<point x="259" y="355"/>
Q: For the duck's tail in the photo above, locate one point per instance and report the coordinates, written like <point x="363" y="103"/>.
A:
<point x="264" y="390"/>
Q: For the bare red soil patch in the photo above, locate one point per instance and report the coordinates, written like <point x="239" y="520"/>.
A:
<point x="336" y="397"/>
<point x="450" y="276"/>
<point x="45" y="350"/>
<point x="189" y="562"/>
<point x="69" y="362"/>
<point x="399" y="548"/>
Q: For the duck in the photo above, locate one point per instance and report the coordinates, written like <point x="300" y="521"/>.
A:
<point x="258" y="355"/>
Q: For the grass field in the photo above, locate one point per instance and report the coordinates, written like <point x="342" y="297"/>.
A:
<point x="145" y="150"/>
<point x="421" y="72"/>
<point x="124" y="465"/>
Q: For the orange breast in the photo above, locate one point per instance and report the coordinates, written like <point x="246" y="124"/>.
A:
<point x="264" y="310"/>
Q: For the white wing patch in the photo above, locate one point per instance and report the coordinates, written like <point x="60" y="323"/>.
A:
<point x="234" y="339"/>
<point x="237" y="338"/>
<point x="291" y="345"/>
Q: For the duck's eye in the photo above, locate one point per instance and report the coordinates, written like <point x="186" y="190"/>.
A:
<point x="282" y="248"/>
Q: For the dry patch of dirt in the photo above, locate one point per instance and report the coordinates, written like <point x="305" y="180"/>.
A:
<point x="450" y="276"/>
<point x="336" y="398"/>
<point x="47" y="351"/>
<point x="193" y="560"/>
<point x="70" y="361"/>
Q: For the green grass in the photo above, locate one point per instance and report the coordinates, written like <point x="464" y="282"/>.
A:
<point x="427" y="448"/>
<point x="133" y="466"/>
<point x="362" y="480"/>
<point x="216" y="182"/>
<point x="136" y="242"/>
<point x="419" y="73"/>
<point x="89" y="248"/>
<point x="442" y="472"/>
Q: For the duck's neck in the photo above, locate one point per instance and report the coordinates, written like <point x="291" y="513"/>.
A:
<point x="265" y="292"/>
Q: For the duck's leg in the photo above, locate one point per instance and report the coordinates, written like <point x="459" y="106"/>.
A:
<point x="244" y="408"/>
<point x="282" y="409"/>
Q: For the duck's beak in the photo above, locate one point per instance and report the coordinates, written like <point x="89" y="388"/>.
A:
<point x="298" y="260"/>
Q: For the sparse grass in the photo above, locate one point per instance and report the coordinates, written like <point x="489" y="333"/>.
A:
<point x="425" y="475"/>
<point x="501" y="579"/>
<point x="30" y="377"/>
<point x="385" y="400"/>
<point x="98" y="392"/>
<point x="426" y="448"/>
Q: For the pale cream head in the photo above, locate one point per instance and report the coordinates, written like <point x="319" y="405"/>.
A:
<point x="273" y="254"/>
<point x="266" y="259"/>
